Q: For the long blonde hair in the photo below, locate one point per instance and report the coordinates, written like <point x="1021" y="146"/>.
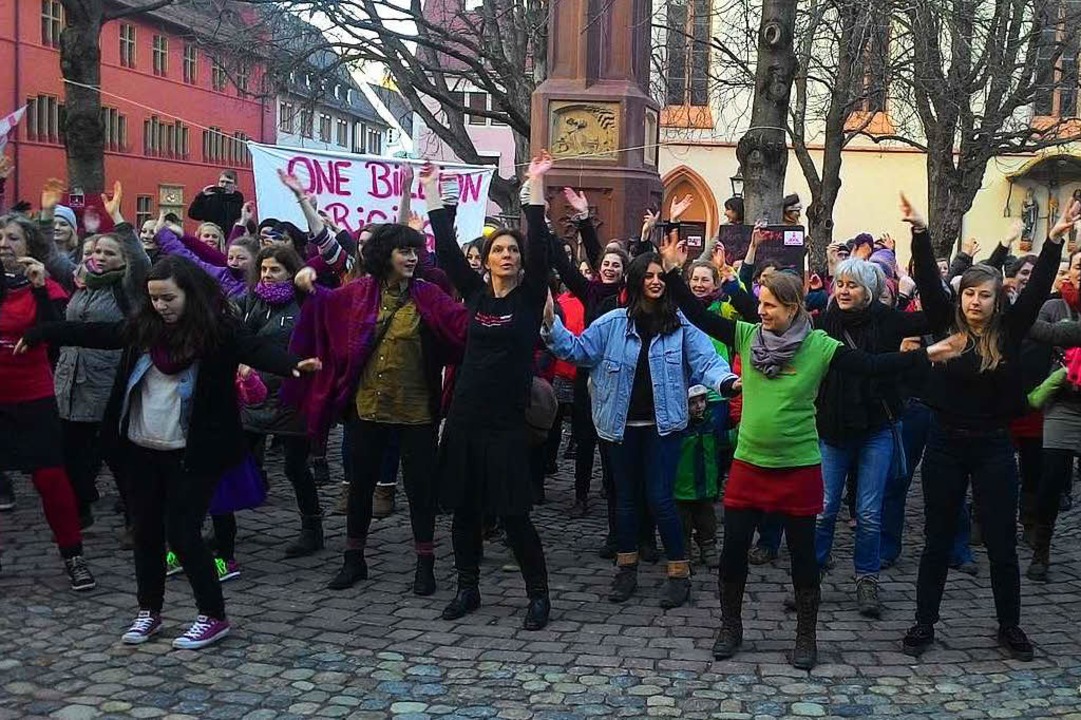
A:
<point x="988" y="343"/>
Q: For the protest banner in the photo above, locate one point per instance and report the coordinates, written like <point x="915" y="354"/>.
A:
<point x="7" y="125"/>
<point x="359" y="190"/>
<point x="736" y="239"/>
<point x="783" y="246"/>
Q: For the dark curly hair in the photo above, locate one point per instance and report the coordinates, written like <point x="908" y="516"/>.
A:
<point x="285" y="255"/>
<point x="385" y="240"/>
<point x="202" y="326"/>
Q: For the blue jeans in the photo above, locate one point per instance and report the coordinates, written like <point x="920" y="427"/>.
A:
<point x="872" y="457"/>
<point x="647" y="460"/>
<point x="915" y="421"/>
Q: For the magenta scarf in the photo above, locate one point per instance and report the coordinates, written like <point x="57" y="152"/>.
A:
<point x="163" y="360"/>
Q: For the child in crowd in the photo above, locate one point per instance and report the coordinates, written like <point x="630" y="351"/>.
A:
<point x="698" y="476"/>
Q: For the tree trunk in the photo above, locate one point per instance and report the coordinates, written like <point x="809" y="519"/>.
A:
<point x="80" y="62"/>
<point x="950" y="192"/>
<point x="762" y="151"/>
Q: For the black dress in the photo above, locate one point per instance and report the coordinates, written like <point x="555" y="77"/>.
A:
<point x="484" y="452"/>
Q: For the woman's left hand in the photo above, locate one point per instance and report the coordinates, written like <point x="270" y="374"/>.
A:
<point x="540" y="164"/>
<point x="673" y="252"/>
<point x="310" y="365"/>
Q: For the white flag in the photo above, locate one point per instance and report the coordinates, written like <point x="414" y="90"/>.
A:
<point x="7" y="125"/>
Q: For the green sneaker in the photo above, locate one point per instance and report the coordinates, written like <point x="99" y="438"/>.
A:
<point x="227" y="570"/>
<point x="172" y="564"/>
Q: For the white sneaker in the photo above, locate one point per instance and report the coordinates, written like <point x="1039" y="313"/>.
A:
<point x="146" y="625"/>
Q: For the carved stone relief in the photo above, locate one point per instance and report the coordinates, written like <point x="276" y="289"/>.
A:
<point x="579" y="129"/>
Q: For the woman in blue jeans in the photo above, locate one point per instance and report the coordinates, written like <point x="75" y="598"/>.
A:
<point x="858" y="416"/>
<point x="643" y="358"/>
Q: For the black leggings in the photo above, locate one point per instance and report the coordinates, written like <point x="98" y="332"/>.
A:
<point x="739" y="526"/>
<point x="295" y="450"/>
<point x="82" y="460"/>
<point x="522" y="537"/>
<point x="369" y="442"/>
<point x="169" y="504"/>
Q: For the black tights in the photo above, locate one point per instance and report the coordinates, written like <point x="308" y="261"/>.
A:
<point x="739" y="526"/>
<point x="522" y="537"/>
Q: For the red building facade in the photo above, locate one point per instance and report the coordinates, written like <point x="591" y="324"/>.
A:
<point x="174" y="113"/>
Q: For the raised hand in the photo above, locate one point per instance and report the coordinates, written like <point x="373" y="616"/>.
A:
<point x="970" y="247"/>
<point x="6" y="167"/>
<point x="305" y="280"/>
<point x="247" y="213"/>
<point x="577" y="200"/>
<point x="1014" y="233"/>
<point x="887" y="241"/>
<point x="291" y="182"/>
<point x="673" y="251"/>
<point x="244" y="371"/>
<point x="416" y="222"/>
<point x="407" y="176"/>
<point x="112" y="206"/>
<point x="649" y="221"/>
<point x="1073" y="212"/>
<point x="51" y="192"/>
<point x="679" y="207"/>
<point x="540" y="164"/>
<point x="718" y="258"/>
<point x="429" y="175"/>
<point x="160" y="224"/>
<point x="758" y="234"/>
<point x="911" y="215"/>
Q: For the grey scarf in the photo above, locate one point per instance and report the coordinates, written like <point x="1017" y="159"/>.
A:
<point x="770" y="352"/>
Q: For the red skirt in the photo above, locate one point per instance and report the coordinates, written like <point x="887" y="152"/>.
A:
<point x="788" y="491"/>
<point x="1027" y="427"/>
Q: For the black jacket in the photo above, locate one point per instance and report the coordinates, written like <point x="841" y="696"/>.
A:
<point x="215" y="441"/>
<point x="221" y="208"/>
<point x="851" y="405"/>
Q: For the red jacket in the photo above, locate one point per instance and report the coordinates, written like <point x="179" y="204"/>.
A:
<point x="574" y="319"/>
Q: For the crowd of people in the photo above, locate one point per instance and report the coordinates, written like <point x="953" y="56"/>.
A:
<point x="772" y="392"/>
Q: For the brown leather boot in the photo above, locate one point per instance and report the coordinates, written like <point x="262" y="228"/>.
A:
<point x="383" y="500"/>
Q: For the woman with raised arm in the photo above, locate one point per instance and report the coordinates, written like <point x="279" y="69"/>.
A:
<point x="482" y="457"/>
<point x="648" y="356"/>
<point x="973" y="399"/>
<point x="778" y="465"/>
<point x="386" y="338"/>
<point x="173" y="417"/>
<point x="114" y="278"/>
<point x="30" y="429"/>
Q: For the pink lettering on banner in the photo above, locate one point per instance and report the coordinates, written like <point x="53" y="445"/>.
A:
<point x="382" y="185"/>
<point x="339" y="215"/>
<point x="328" y="179"/>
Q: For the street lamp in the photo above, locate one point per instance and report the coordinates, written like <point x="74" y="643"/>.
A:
<point x="737" y="183"/>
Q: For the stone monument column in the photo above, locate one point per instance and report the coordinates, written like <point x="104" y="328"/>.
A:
<point x="594" y="113"/>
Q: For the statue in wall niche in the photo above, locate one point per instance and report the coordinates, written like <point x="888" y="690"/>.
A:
<point x="1052" y="206"/>
<point x="1030" y="213"/>
<point x="1071" y="244"/>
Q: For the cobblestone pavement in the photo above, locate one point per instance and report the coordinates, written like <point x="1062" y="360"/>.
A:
<point x="376" y="651"/>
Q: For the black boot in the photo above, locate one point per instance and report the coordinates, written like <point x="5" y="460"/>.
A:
<point x="1027" y="516"/>
<point x="536" y="615"/>
<point x="424" y="577"/>
<point x="354" y="569"/>
<point x="608" y="550"/>
<point x="310" y="539"/>
<point x="805" y="653"/>
<point x="468" y="598"/>
<point x="625" y="582"/>
<point x="1041" y="552"/>
<point x="730" y="637"/>
<point x="677" y="588"/>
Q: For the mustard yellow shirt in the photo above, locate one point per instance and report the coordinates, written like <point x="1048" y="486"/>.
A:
<point x="393" y="387"/>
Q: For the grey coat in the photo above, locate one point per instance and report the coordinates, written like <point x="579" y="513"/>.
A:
<point x="84" y="378"/>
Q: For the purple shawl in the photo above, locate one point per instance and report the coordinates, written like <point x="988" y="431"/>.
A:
<point x="338" y="327"/>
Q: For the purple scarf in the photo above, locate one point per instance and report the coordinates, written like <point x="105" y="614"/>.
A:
<point x="163" y="360"/>
<point x="274" y="293"/>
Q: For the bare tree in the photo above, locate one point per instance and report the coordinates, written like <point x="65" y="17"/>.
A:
<point x="984" y="78"/>
<point x="432" y="53"/>
<point x="80" y="64"/>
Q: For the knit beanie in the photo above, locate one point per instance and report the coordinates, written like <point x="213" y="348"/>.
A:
<point x="67" y="215"/>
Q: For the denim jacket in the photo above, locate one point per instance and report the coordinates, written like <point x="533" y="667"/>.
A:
<point x="611" y="346"/>
<point x="186" y="388"/>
